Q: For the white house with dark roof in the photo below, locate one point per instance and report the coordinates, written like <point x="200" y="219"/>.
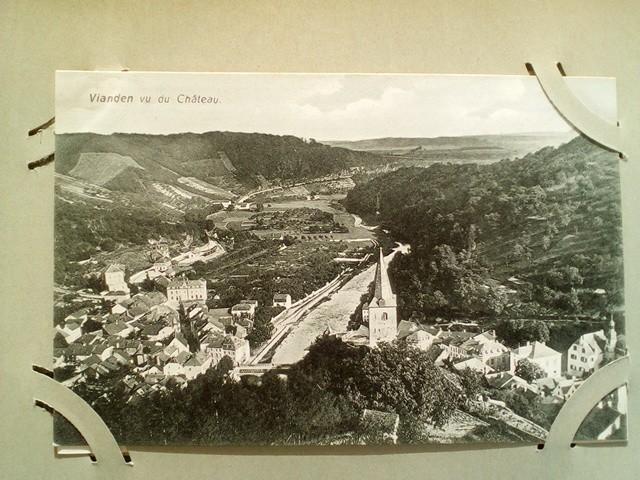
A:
<point x="543" y="356"/>
<point x="236" y="348"/>
<point x="196" y="365"/>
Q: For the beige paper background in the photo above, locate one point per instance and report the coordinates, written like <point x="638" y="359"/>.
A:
<point x="488" y="37"/>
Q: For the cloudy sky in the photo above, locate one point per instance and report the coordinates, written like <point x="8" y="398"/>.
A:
<point x="324" y="107"/>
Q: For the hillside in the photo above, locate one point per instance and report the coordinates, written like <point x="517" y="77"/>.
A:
<point x="225" y="159"/>
<point x="551" y="219"/>
<point x="100" y="168"/>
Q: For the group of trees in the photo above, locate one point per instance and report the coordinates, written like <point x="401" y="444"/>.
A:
<point x="514" y="333"/>
<point x="322" y="396"/>
<point x="552" y="218"/>
<point x="309" y="220"/>
<point x="313" y="268"/>
<point x="262" y="326"/>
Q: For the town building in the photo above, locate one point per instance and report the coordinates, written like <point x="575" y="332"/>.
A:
<point x="114" y="279"/>
<point x="181" y="290"/>
<point x="381" y="312"/>
<point x="487" y="349"/>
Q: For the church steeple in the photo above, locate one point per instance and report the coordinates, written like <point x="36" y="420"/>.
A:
<point x="380" y="313"/>
<point x="382" y="293"/>
<point x="612" y="340"/>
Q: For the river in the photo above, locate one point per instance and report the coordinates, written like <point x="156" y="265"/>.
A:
<point x="334" y="313"/>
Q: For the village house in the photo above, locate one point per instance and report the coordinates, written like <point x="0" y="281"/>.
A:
<point x="173" y="368"/>
<point x="243" y="310"/>
<point x="76" y="352"/>
<point x="421" y="339"/>
<point x="196" y="365"/>
<point x="486" y="348"/>
<point x="450" y="343"/>
<point x="177" y="346"/>
<point x="474" y="364"/>
<point x="217" y="346"/>
<point x="119" y="329"/>
<point x="589" y="351"/>
<point x="606" y="418"/>
<point x="282" y="300"/>
<point x="71" y="331"/>
<point x="212" y="346"/>
<point x="236" y="348"/>
<point x="79" y="316"/>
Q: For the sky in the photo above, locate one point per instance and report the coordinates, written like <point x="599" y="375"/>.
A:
<point x="323" y="107"/>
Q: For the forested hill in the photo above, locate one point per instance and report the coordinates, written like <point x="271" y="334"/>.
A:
<point x="551" y="219"/>
<point x="214" y="154"/>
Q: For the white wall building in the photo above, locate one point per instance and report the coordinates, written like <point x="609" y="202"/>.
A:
<point x="586" y="354"/>
<point x="114" y="279"/>
<point x="182" y="290"/>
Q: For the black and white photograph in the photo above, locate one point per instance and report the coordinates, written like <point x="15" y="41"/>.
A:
<point x="324" y="259"/>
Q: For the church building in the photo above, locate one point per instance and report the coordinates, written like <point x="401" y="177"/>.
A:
<point x="381" y="312"/>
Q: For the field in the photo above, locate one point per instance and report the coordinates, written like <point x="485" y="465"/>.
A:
<point x="245" y="220"/>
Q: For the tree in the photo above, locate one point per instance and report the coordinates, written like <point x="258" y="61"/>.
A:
<point x="225" y="365"/>
<point x="471" y="383"/>
<point x="148" y="285"/>
<point x="529" y="371"/>
<point x="91" y="325"/>
<point x="59" y="341"/>
<point x="517" y="332"/>
<point x="260" y="333"/>
<point x="402" y="379"/>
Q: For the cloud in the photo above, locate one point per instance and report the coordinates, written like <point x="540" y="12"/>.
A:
<point x="340" y="107"/>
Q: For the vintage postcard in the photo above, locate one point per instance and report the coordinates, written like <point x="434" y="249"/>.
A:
<point x="333" y="259"/>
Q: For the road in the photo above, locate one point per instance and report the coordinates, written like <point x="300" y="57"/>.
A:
<point x="246" y="197"/>
<point x="66" y="291"/>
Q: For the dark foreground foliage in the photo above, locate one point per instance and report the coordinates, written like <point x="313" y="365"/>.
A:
<point x="321" y="397"/>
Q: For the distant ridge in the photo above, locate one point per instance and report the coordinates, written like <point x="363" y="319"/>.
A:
<point x="493" y="146"/>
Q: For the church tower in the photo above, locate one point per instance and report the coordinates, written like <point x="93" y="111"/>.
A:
<point x="380" y="312"/>
<point x="612" y="340"/>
